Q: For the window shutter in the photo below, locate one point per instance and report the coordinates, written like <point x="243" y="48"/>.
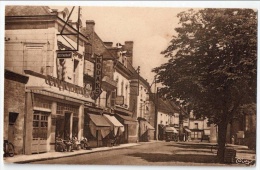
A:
<point x="113" y="98"/>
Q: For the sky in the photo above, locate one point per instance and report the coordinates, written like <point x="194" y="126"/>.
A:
<point x="150" y="28"/>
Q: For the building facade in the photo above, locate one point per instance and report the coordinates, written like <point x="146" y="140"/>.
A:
<point x="59" y="92"/>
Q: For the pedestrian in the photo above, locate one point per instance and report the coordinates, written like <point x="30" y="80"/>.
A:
<point x="233" y="139"/>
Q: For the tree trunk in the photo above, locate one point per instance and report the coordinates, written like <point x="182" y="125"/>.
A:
<point x="222" y="131"/>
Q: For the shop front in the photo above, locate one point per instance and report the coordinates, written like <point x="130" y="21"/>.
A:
<point x="96" y="128"/>
<point x="51" y="112"/>
<point x="117" y="130"/>
<point x="170" y="134"/>
<point x="144" y="130"/>
<point x="130" y="127"/>
<point x="187" y="134"/>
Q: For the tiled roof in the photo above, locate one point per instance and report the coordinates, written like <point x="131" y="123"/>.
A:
<point x="165" y="105"/>
<point x="27" y="10"/>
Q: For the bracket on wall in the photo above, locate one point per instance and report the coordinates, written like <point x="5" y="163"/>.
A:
<point x="62" y="34"/>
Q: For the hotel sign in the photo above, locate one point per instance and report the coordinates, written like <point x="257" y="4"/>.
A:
<point x="98" y="77"/>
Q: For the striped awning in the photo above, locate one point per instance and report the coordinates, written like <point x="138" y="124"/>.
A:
<point x="117" y="126"/>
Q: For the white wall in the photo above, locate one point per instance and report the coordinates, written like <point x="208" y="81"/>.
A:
<point x="126" y="93"/>
<point x="163" y="118"/>
<point x="21" y="40"/>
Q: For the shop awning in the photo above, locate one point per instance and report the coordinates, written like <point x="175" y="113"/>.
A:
<point x="187" y="130"/>
<point x="170" y="129"/>
<point x="145" y="126"/>
<point x="127" y="119"/>
<point x="117" y="126"/>
<point x="149" y="126"/>
<point x="99" y="122"/>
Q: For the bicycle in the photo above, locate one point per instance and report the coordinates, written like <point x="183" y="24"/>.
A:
<point x="8" y="149"/>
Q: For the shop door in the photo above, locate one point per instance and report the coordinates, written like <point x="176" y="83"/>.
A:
<point x="40" y="131"/>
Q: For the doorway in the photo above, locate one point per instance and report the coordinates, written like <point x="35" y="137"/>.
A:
<point x="40" y="131"/>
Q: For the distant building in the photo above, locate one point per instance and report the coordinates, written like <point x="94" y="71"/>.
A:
<point x="198" y="129"/>
<point x="243" y="129"/>
<point x="142" y="106"/>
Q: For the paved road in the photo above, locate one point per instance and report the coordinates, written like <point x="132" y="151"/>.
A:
<point x="159" y="153"/>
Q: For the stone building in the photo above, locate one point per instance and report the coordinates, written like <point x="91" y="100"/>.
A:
<point x="56" y="94"/>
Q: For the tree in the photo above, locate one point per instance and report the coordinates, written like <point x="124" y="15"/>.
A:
<point x="212" y="64"/>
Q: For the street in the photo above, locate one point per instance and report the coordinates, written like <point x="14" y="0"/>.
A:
<point x="158" y="153"/>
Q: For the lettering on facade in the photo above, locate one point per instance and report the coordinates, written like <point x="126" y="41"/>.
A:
<point x="62" y="85"/>
<point x="98" y="77"/>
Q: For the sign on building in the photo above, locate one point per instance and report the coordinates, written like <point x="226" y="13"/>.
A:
<point x="119" y="100"/>
<point x="98" y="77"/>
<point x="64" y="54"/>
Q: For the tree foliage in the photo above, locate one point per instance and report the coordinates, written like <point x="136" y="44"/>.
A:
<point x="212" y="62"/>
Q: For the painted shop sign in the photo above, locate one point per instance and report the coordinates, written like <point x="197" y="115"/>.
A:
<point x="62" y="85"/>
<point x="98" y="77"/>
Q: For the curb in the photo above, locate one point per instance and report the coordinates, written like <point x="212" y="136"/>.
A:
<point x="64" y="156"/>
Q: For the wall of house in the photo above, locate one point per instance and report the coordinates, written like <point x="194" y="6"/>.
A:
<point x="14" y="101"/>
<point x="120" y="79"/>
<point x="74" y="73"/>
<point x="30" y="49"/>
<point x="163" y="118"/>
<point x="142" y="102"/>
<point x="199" y="122"/>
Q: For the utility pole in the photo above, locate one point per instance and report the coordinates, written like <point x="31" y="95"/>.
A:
<point x="156" y="109"/>
<point x="156" y="113"/>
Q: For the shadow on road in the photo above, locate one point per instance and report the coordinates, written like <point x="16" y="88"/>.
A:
<point x="158" y="157"/>
<point x="193" y="146"/>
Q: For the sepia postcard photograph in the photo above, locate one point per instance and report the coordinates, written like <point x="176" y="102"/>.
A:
<point x="129" y="85"/>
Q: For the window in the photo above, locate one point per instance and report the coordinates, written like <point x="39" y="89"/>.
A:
<point x="122" y="88"/>
<point x="40" y="125"/>
<point x="126" y="95"/>
<point x="76" y="72"/>
<point x="34" y="58"/>
<point x="61" y="107"/>
<point x="113" y="98"/>
<point x="196" y="125"/>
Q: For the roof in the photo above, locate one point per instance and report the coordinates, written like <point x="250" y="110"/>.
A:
<point x="164" y="106"/>
<point x="22" y="10"/>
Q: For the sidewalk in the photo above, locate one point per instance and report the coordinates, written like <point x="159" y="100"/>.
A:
<point x="53" y="155"/>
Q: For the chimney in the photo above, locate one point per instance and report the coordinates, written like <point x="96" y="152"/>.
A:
<point x="90" y="26"/>
<point x="129" y="48"/>
<point x="89" y="32"/>
<point x="108" y="44"/>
